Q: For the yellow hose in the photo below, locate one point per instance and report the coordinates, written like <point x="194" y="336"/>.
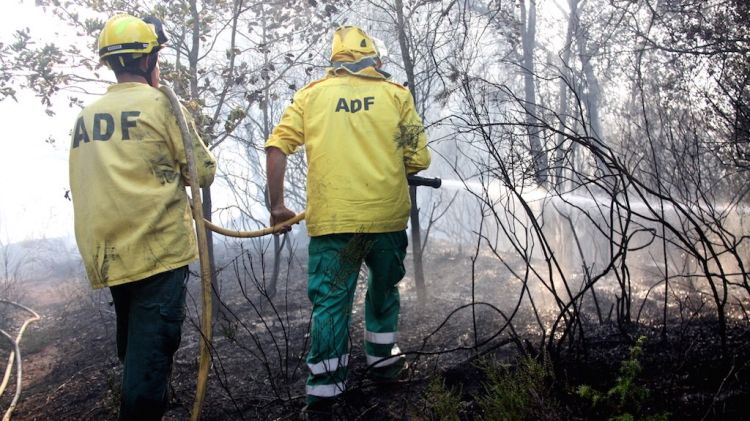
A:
<point x="252" y="234"/>
<point x="200" y="228"/>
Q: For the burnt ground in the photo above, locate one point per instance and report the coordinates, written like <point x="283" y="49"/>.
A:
<point x="71" y="371"/>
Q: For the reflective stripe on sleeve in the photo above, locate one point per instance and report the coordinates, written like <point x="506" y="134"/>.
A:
<point x="383" y="338"/>
<point x="330" y="365"/>
<point x="326" y="390"/>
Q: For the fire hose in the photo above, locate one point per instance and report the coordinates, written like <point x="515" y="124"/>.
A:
<point x="201" y="224"/>
<point x="413" y="180"/>
<point x="15" y="353"/>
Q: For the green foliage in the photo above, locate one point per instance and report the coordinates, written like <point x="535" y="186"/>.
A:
<point x="521" y="392"/>
<point x="626" y="397"/>
<point x="443" y="403"/>
<point x="228" y="329"/>
<point x="236" y="116"/>
<point x="517" y="393"/>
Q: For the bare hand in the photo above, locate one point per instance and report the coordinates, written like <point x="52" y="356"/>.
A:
<point x="279" y="215"/>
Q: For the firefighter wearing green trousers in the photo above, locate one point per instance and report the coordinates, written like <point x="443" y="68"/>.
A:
<point x="133" y="224"/>
<point x="362" y="137"/>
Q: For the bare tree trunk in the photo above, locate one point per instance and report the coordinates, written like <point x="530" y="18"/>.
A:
<point x="205" y="191"/>
<point x="278" y="244"/>
<point x="416" y="239"/>
<point x="565" y="80"/>
<point x="528" y="39"/>
<point x="592" y="94"/>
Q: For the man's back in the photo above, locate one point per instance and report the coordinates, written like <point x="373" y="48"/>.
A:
<point x="361" y="136"/>
<point x="131" y="213"/>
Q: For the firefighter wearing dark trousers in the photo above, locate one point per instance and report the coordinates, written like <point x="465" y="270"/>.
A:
<point x="133" y="224"/>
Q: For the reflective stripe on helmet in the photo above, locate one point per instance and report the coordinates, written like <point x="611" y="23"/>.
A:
<point x="129" y="46"/>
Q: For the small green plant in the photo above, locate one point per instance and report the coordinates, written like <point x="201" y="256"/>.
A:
<point x="228" y="329"/>
<point x="518" y="393"/>
<point x="626" y="397"/>
<point x="443" y="402"/>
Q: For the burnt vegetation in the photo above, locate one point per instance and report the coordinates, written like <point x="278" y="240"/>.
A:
<point x="586" y="257"/>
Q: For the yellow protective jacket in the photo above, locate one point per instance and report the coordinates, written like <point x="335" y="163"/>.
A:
<point x="362" y="136"/>
<point x="128" y="173"/>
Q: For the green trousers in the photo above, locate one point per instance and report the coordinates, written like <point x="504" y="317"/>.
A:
<point x="149" y="326"/>
<point x="333" y="269"/>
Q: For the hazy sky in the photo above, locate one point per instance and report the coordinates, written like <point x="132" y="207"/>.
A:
<point x="34" y="173"/>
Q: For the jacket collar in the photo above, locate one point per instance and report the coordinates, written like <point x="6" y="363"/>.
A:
<point x="365" y="67"/>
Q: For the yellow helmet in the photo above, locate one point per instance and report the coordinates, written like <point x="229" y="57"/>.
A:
<point x="126" y="34"/>
<point x="352" y="43"/>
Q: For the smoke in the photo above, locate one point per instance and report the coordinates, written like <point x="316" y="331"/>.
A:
<point x="578" y="244"/>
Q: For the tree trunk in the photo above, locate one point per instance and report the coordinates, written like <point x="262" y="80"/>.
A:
<point x="206" y="191"/>
<point x="528" y="40"/>
<point x="592" y="94"/>
<point x="416" y="239"/>
<point x="563" y="108"/>
<point x="278" y="244"/>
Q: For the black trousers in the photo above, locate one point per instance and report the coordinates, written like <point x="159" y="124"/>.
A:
<point x="150" y="313"/>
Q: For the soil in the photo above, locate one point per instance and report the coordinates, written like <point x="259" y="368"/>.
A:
<point x="71" y="372"/>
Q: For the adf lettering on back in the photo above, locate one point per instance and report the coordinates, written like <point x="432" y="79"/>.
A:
<point x="354" y="105"/>
<point x="104" y="127"/>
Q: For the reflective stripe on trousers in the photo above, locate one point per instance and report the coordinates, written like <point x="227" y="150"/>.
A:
<point x="382" y="338"/>
<point x="330" y="365"/>
<point x="326" y="390"/>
